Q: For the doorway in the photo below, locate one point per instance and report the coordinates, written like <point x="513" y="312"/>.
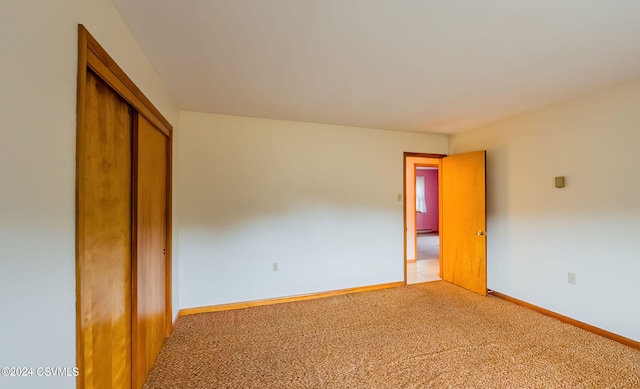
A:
<point x="422" y="221"/>
<point x="462" y="216"/>
<point x="427" y="260"/>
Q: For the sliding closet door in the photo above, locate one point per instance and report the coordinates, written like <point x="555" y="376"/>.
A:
<point x="123" y="237"/>
<point x="150" y="264"/>
<point x="104" y="238"/>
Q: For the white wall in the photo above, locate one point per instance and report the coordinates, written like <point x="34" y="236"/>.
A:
<point x="538" y="233"/>
<point x="38" y="42"/>
<point x="321" y="200"/>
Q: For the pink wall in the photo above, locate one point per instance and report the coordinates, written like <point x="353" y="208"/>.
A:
<point x="429" y="220"/>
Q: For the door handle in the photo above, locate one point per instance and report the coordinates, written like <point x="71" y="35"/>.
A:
<point x="481" y="233"/>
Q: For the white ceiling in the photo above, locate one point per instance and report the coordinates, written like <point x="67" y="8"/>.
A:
<point x="413" y="65"/>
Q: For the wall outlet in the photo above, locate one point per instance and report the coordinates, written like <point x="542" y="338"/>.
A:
<point x="274" y="266"/>
<point x="571" y="278"/>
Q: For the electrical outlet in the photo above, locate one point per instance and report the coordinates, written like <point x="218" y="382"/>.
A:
<point x="274" y="266"/>
<point x="571" y="278"/>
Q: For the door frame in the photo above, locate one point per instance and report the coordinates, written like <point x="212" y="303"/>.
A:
<point x="415" y="236"/>
<point x="404" y="204"/>
<point x="91" y="56"/>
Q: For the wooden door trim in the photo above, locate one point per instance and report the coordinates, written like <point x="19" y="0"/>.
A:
<point x="80" y="123"/>
<point x="98" y="60"/>
<point x="441" y="231"/>
<point x="425" y="155"/>
<point x="404" y="205"/>
<point x="91" y="56"/>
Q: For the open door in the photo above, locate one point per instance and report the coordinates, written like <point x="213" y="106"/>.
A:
<point x="464" y="221"/>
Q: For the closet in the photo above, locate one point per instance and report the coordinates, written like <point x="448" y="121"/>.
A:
<point x="123" y="225"/>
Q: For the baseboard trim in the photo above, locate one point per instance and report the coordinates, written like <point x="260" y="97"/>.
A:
<point x="587" y="327"/>
<point x="280" y="300"/>
<point x="412" y="260"/>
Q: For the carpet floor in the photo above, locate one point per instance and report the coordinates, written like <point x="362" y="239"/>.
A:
<point x="428" y="246"/>
<point x="432" y="335"/>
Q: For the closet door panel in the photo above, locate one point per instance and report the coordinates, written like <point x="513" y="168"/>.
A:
<point x="150" y="265"/>
<point x="104" y="238"/>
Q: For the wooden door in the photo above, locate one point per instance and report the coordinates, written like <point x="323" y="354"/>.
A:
<point x="104" y="238"/>
<point x="464" y="245"/>
<point x="150" y="264"/>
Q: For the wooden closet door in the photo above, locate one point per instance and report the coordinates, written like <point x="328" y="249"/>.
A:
<point x="123" y="225"/>
<point x="150" y="264"/>
<point x="104" y="238"/>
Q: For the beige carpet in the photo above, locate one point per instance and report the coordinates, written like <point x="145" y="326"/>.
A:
<point x="432" y="335"/>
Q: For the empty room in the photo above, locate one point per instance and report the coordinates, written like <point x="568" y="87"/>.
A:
<point x="319" y="194"/>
